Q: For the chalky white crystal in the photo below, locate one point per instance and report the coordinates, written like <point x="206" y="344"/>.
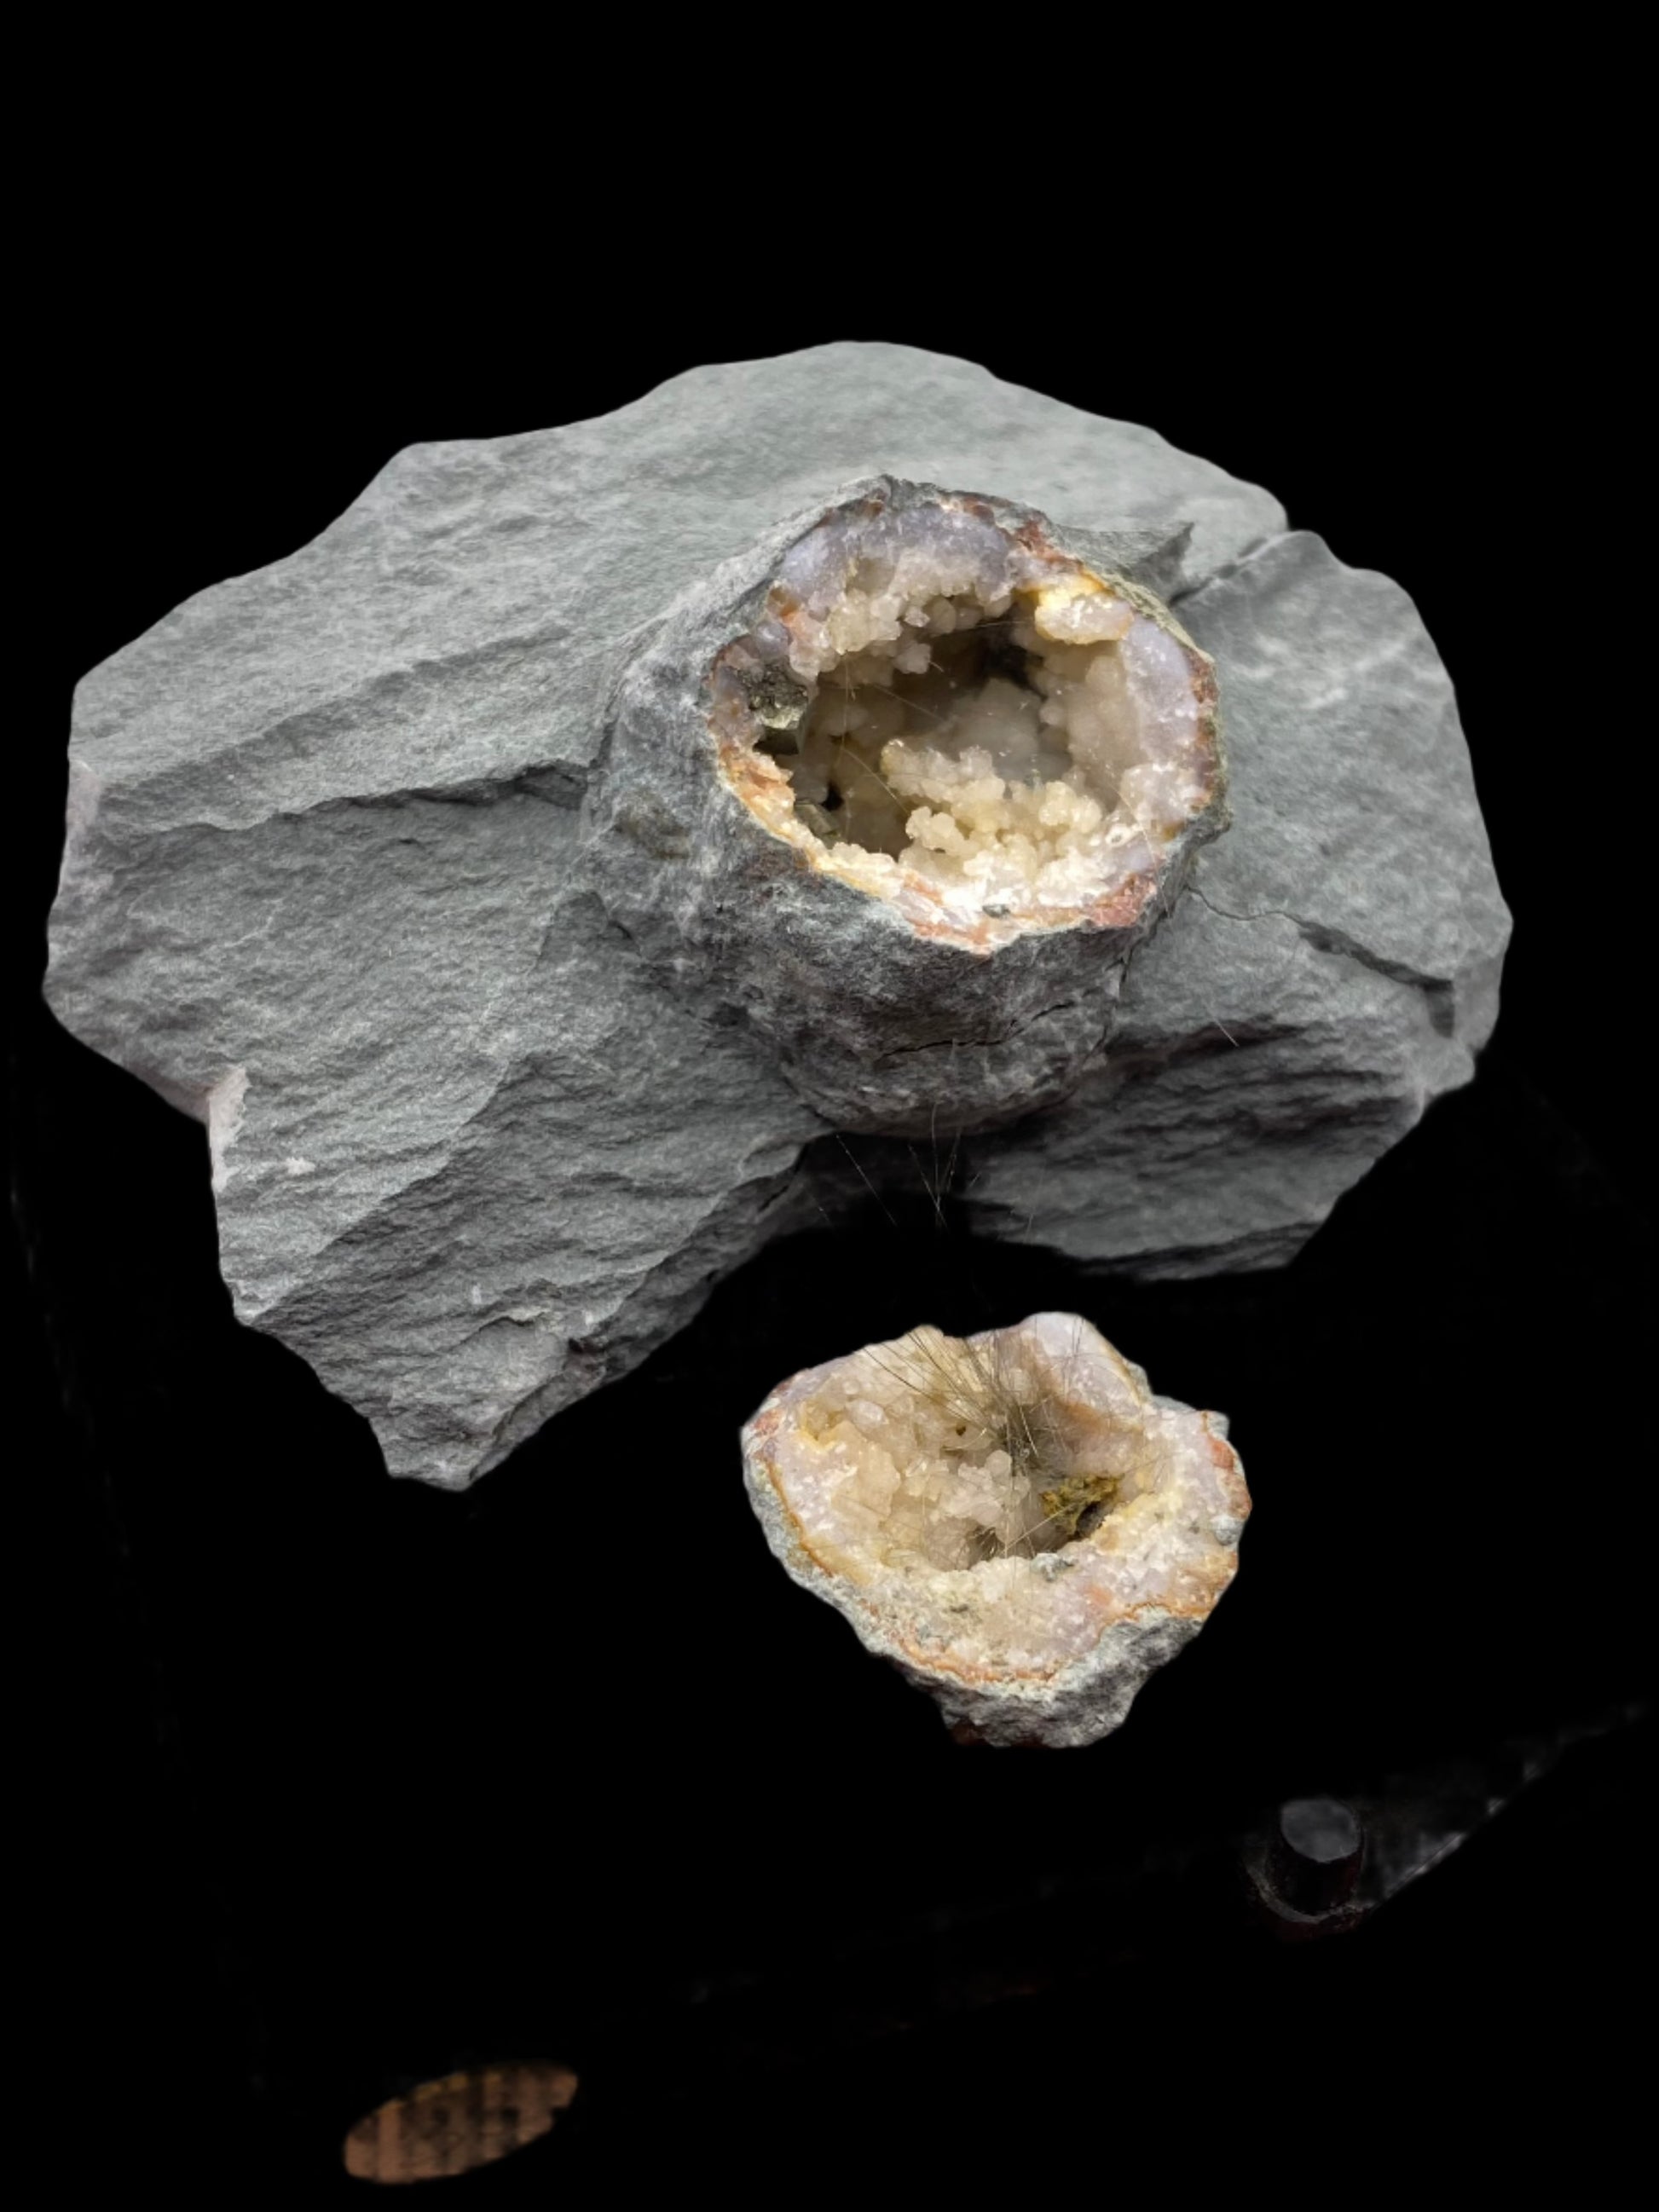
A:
<point x="944" y="709"/>
<point x="1014" y="1520"/>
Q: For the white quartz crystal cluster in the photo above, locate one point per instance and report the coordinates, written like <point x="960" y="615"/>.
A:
<point x="1014" y="1519"/>
<point x="950" y="712"/>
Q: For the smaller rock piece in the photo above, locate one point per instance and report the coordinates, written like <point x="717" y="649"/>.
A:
<point x="1013" y="1519"/>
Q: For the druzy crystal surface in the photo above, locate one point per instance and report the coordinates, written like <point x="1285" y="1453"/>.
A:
<point x="1014" y="1519"/>
<point x="943" y="708"/>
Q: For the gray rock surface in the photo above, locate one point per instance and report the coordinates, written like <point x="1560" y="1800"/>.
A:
<point x="323" y="886"/>
<point x="1333" y="966"/>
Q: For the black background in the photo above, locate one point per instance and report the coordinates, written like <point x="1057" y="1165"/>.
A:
<point x="357" y="1780"/>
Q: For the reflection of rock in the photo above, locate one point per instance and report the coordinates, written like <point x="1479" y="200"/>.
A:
<point x="1015" y="1521"/>
<point x="458" y="2123"/>
<point x="325" y="887"/>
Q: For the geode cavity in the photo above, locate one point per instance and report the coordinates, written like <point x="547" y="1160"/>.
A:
<point x="906" y="787"/>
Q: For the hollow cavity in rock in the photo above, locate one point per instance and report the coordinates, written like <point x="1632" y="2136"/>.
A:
<point x="958" y="715"/>
<point x="1014" y="1519"/>
<point x="951" y="1452"/>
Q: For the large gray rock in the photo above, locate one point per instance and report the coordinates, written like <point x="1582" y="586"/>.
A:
<point x="326" y="886"/>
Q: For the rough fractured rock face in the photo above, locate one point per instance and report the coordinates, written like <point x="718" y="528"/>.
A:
<point x="1333" y="968"/>
<point x="330" y="884"/>
<point x="1014" y="1520"/>
<point x="956" y="715"/>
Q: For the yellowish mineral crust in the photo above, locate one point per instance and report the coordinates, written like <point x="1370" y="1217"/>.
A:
<point x="1014" y="1518"/>
<point x="956" y="715"/>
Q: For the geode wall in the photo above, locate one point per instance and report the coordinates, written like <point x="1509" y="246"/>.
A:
<point x="409" y="865"/>
<point x="947" y="946"/>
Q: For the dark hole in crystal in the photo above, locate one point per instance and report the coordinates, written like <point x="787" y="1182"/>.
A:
<point x="966" y="660"/>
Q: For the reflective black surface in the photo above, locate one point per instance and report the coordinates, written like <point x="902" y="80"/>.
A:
<point x="360" y="1780"/>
